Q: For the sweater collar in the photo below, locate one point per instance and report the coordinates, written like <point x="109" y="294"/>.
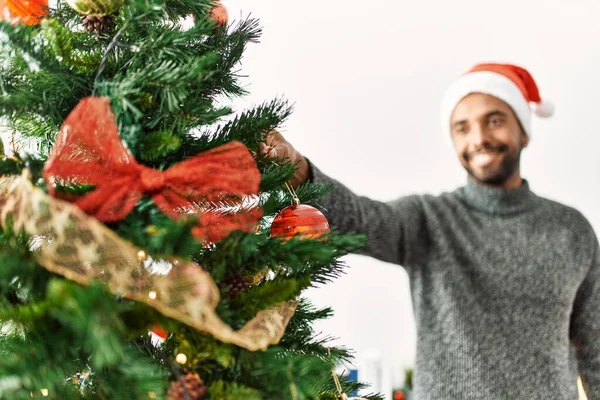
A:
<point x="497" y="200"/>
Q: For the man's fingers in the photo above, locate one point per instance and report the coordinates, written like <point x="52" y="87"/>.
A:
<point x="275" y="145"/>
<point x="271" y="136"/>
<point x="268" y="150"/>
<point x="272" y="152"/>
<point x="263" y="149"/>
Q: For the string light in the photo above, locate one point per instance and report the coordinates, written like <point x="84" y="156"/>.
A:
<point x="181" y="358"/>
<point x="152" y="294"/>
<point x="44" y="392"/>
<point x="141" y="255"/>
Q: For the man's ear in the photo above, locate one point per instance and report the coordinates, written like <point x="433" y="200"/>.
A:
<point x="524" y="139"/>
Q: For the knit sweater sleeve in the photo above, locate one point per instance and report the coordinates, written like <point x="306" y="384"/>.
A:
<point x="388" y="226"/>
<point x="585" y="328"/>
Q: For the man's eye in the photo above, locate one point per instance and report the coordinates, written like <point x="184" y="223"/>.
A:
<point x="494" y="122"/>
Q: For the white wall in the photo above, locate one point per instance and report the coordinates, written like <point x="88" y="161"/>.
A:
<point x="367" y="78"/>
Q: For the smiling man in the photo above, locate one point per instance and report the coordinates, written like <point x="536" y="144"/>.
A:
<point x="488" y="110"/>
<point x="505" y="284"/>
<point x="483" y="129"/>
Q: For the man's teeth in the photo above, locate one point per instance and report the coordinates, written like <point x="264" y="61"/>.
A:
<point x="483" y="157"/>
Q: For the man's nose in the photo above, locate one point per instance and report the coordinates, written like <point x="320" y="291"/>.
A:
<point x="479" y="135"/>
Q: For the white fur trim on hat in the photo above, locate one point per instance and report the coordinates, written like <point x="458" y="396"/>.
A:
<point x="545" y="109"/>
<point x="490" y="83"/>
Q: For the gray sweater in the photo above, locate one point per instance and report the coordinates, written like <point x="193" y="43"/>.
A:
<point x="505" y="288"/>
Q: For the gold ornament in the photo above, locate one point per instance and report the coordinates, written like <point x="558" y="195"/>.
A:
<point x="95" y="7"/>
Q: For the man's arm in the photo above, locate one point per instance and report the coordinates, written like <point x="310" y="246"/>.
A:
<point x="389" y="227"/>
<point x="585" y="328"/>
<point x="386" y="225"/>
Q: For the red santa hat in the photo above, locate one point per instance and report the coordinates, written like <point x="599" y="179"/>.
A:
<point x="512" y="84"/>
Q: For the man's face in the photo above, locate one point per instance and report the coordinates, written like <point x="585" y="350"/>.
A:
<point x="488" y="139"/>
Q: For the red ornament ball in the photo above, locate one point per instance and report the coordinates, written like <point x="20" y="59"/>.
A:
<point x="219" y="14"/>
<point x="399" y="395"/>
<point x="159" y="331"/>
<point x="302" y="220"/>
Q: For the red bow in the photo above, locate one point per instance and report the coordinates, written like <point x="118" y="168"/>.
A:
<point x="88" y="150"/>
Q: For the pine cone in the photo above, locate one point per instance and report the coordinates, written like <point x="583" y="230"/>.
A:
<point x="237" y="284"/>
<point x="98" y="23"/>
<point x="188" y="387"/>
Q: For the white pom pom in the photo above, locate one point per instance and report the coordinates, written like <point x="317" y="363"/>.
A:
<point x="544" y="109"/>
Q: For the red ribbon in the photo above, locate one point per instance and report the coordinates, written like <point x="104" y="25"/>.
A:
<point x="88" y="150"/>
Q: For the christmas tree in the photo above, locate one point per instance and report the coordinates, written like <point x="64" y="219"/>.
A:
<point x="137" y="251"/>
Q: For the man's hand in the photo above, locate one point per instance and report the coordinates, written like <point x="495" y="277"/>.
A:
<point x="277" y="147"/>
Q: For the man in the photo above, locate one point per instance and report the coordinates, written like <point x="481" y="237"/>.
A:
<point x="505" y="284"/>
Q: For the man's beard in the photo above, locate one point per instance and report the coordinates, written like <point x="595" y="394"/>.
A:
<point x="509" y="165"/>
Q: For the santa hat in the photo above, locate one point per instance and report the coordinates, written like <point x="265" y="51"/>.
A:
<point x="512" y="84"/>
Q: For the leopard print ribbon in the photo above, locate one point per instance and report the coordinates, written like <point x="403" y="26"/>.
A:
<point x="68" y="242"/>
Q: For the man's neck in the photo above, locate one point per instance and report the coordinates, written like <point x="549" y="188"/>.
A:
<point x="514" y="182"/>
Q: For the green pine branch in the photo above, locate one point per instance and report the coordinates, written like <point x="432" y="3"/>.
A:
<point x="267" y="294"/>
